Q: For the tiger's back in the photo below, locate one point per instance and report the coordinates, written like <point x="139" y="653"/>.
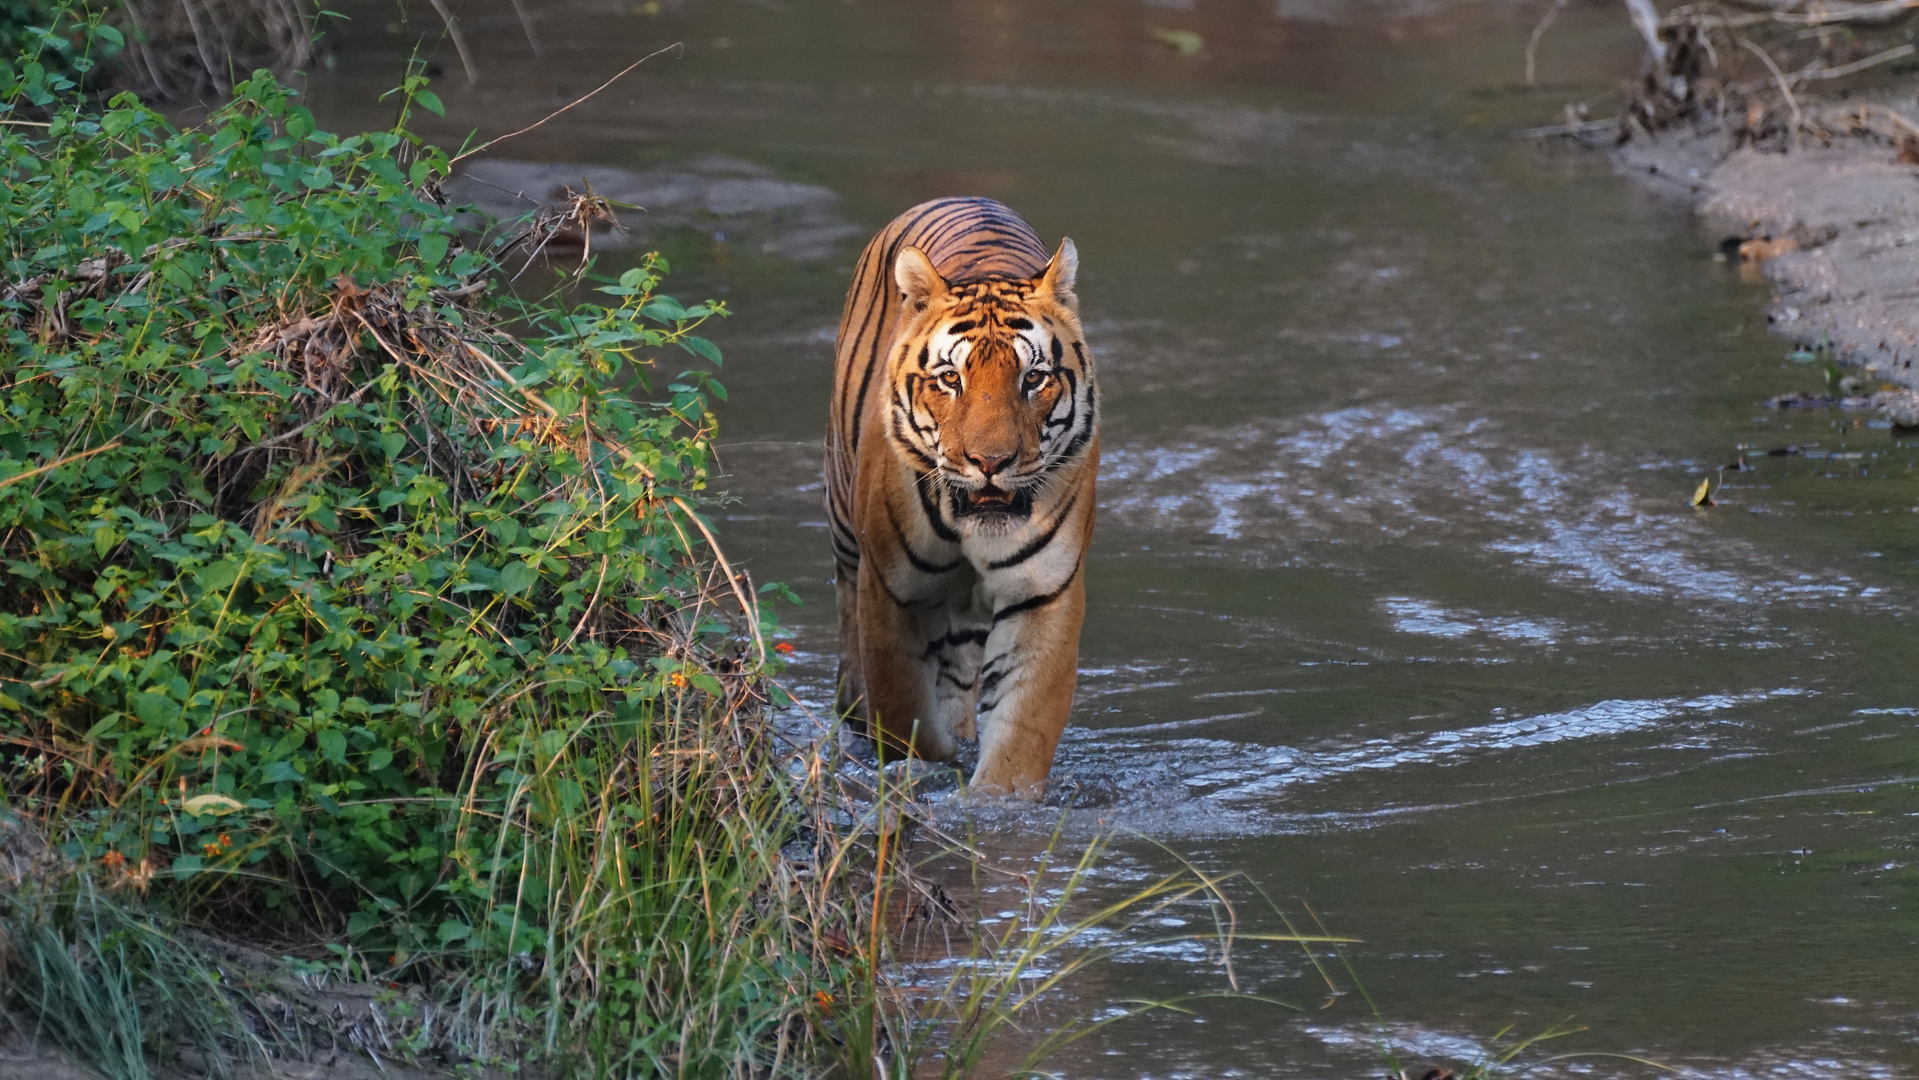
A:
<point x="960" y="458"/>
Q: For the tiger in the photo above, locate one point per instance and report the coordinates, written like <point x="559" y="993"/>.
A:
<point x="961" y="452"/>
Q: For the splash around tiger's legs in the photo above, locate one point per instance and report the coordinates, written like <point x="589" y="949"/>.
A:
<point x="1026" y="694"/>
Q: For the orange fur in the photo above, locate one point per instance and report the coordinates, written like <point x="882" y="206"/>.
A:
<point x="961" y="454"/>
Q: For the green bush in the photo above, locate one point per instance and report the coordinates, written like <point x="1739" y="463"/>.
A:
<point x="304" y="578"/>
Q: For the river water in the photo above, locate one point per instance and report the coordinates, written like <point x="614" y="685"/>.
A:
<point x="1397" y="604"/>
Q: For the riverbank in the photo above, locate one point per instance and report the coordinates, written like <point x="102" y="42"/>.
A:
<point x="1830" y="219"/>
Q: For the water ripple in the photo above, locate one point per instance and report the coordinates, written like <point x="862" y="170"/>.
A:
<point x="1436" y="475"/>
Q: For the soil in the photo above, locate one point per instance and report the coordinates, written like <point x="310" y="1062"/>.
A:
<point x="1834" y="226"/>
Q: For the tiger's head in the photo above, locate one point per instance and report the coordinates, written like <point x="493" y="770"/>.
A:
<point x="993" y="390"/>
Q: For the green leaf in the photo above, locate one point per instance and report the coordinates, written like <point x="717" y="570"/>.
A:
<point x="332" y="745"/>
<point x="280" y="772"/>
<point x="701" y="348"/>
<point x="220" y="576"/>
<point x="451" y="932"/>
<point x="664" y="309"/>
<point x="155" y="710"/>
<point x="433" y="248"/>
<point x="430" y="101"/>
<point x="517" y="577"/>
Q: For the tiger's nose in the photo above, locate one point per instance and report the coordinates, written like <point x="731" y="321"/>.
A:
<point x="989" y="463"/>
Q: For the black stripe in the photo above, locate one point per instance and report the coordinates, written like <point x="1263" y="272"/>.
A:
<point x="1040" y="543"/>
<point x="932" y="512"/>
<point x="912" y="556"/>
<point x="897" y="602"/>
<point x="861" y="291"/>
<point x="991" y="682"/>
<point x="954" y="637"/>
<point x="938" y="233"/>
<point x="866" y="377"/>
<point x="917" y="453"/>
<point x="1078" y="443"/>
<point x="1034" y="603"/>
<point x="903" y="405"/>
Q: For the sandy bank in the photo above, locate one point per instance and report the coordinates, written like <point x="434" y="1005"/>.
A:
<point x="1833" y="225"/>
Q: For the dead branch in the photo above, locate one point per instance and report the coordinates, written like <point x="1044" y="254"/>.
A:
<point x="576" y="101"/>
<point x="459" y="40"/>
<point x="1785" y="88"/>
<point x="1857" y="66"/>
<point x="1539" y="31"/>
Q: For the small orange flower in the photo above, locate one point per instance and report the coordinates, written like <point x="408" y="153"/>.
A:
<point x="825" y="1001"/>
<point x="209" y="850"/>
<point x="113" y="860"/>
<point x="226" y="841"/>
<point x="678" y="680"/>
<point x="783" y="647"/>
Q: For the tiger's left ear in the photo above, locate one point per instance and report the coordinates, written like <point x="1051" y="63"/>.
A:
<point x="1057" y="281"/>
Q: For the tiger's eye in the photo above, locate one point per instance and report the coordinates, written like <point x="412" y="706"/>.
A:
<point x="950" y="378"/>
<point x="1035" y="379"/>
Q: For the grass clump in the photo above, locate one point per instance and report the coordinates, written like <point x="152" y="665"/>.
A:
<point x="114" y="989"/>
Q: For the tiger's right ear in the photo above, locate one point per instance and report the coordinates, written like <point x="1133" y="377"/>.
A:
<point x="917" y="279"/>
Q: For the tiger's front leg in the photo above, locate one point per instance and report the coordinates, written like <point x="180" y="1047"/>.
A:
<point x="1026" y="693"/>
<point x="897" y="670"/>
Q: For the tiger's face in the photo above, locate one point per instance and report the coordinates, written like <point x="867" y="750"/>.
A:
<point x="993" y="385"/>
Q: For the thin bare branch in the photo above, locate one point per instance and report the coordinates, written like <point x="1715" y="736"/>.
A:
<point x="576" y="101"/>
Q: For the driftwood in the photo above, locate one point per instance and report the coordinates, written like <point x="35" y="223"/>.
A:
<point x="1687" y="78"/>
<point x="1791" y="13"/>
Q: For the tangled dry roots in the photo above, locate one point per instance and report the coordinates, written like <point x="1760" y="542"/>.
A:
<point x="186" y="50"/>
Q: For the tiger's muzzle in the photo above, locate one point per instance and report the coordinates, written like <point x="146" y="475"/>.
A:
<point x="991" y="501"/>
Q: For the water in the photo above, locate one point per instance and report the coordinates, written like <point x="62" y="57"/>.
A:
<point x="1397" y="602"/>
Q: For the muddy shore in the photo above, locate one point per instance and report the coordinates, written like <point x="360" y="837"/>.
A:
<point x="1833" y="225"/>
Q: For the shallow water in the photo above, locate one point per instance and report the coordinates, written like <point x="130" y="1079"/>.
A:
<point x="1397" y="602"/>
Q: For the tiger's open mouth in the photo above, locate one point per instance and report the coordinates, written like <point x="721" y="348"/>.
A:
<point x="1016" y="502"/>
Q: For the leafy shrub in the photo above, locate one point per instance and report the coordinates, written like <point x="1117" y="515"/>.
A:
<point x="68" y="46"/>
<point x="304" y="578"/>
